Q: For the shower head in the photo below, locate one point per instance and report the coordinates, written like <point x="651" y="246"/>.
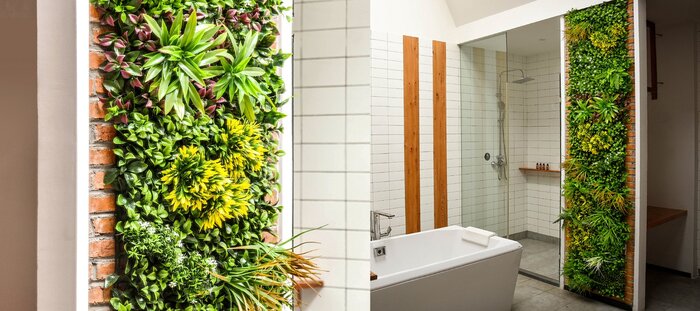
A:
<point x="522" y="80"/>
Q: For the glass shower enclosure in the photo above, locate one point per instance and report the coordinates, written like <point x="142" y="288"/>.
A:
<point x="502" y="190"/>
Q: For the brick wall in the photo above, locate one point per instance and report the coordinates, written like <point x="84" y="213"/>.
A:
<point x="102" y="200"/>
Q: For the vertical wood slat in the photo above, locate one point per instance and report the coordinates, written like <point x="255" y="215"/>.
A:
<point x="440" y="134"/>
<point x="411" y="135"/>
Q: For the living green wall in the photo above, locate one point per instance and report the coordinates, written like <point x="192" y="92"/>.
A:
<point x="595" y="188"/>
<point x="193" y="91"/>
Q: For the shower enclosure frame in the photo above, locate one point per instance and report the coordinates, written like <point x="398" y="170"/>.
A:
<point x="501" y="161"/>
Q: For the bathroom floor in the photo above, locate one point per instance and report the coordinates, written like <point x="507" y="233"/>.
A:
<point x="531" y="294"/>
<point x="665" y="291"/>
<point x="540" y="257"/>
<point x="668" y="291"/>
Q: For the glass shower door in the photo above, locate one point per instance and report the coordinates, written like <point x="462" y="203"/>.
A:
<point x="485" y="169"/>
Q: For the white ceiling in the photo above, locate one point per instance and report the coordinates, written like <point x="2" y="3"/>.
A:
<point x="536" y="38"/>
<point x="465" y="11"/>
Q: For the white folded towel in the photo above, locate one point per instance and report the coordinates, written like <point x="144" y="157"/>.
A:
<point x="478" y="236"/>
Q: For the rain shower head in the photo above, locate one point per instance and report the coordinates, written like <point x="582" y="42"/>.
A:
<point x="522" y="80"/>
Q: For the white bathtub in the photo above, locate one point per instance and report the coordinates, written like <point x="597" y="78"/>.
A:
<point x="438" y="270"/>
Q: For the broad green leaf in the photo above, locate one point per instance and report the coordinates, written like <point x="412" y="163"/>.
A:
<point x="176" y="27"/>
<point x="154" y="26"/>
<point x="153" y="72"/>
<point x="189" y="29"/>
<point x="194" y="96"/>
<point x="137" y="167"/>
<point x="169" y="103"/>
<point x="165" y="36"/>
<point x="110" y="280"/>
<point x="184" y="81"/>
<point x="253" y="71"/>
<point x="164" y="83"/>
<point x="191" y="71"/>
<point x="171" y="50"/>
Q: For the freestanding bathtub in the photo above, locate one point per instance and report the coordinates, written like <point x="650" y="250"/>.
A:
<point x="440" y="270"/>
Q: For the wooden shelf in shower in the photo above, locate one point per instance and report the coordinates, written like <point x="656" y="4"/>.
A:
<point x="534" y="170"/>
<point x="660" y="215"/>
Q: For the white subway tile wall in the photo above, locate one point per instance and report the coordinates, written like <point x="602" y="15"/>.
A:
<point x="533" y="134"/>
<point x="332" y="147"/>
<point x="542" y="119"/>
<point x="387" y="162"/>
<point x="483" y="194"/>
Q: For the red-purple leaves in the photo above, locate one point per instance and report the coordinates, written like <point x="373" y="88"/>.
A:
<point x="117" y="62"/>
<point x="251" y="19"/>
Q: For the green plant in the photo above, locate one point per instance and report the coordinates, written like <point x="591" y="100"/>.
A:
<point x="181" y="58"/>
<point x="191" y="185"/>
<point x="595" y="189"/>
<point x="238" y="80"/>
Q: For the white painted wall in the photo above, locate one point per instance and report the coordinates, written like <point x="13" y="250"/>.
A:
<point x="18" y="172"/>
<point x="418" y="18"/>
<point x="516" y="17"/>
<point x="62" y="163"/>
<point x="432" y="18"/>
<point x="671" y="171"/>
<point x="332" y="147"/>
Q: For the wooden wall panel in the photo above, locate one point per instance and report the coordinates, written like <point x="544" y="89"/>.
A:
<point x="440" y="133"/>
<point x="411" y="135"/>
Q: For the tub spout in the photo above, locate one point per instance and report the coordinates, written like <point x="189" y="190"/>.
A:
<point x="376" y="230"/>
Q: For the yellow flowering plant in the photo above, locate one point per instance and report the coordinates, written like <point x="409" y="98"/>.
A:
<point x="203" y="188"/>
<point x="241" y="148"/>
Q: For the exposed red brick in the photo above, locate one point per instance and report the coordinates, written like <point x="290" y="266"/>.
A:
<point x="99" y="295"/>
<point x="97" y="181"/>
<point x="102" y="203"/>
<point x="104" y="225"/>
<point x="102" y="156"/>
<point x="96" y="59"/>
<point x="104" y="269"/>
<point x="97" y="110"/>
<point x="102" y="248"/>
<point x="97" y="31"/>
<point x="94" y="14"/>
<point x="96" y="86"/>
<point x="104" y="133"/>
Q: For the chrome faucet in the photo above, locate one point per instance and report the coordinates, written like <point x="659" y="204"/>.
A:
<point x="376" y="230"/>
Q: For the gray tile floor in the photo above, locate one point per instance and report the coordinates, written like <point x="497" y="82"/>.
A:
<point x="540" y="257"/>
<point x="533" y="295"/>
<point x="665" y="291"/>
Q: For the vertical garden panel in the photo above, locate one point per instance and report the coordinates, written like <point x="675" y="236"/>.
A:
<point x="185" y="155"/>
<point x="600" y="166"/>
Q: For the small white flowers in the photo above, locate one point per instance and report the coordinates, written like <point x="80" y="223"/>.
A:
<point x="212" y="262"/>
<point x="172" y="284"/>
<point x="180" y="259"/>
<point x="243" y="261"/>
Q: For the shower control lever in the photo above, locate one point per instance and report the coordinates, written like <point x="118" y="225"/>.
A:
<point x="376" y="230"/>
